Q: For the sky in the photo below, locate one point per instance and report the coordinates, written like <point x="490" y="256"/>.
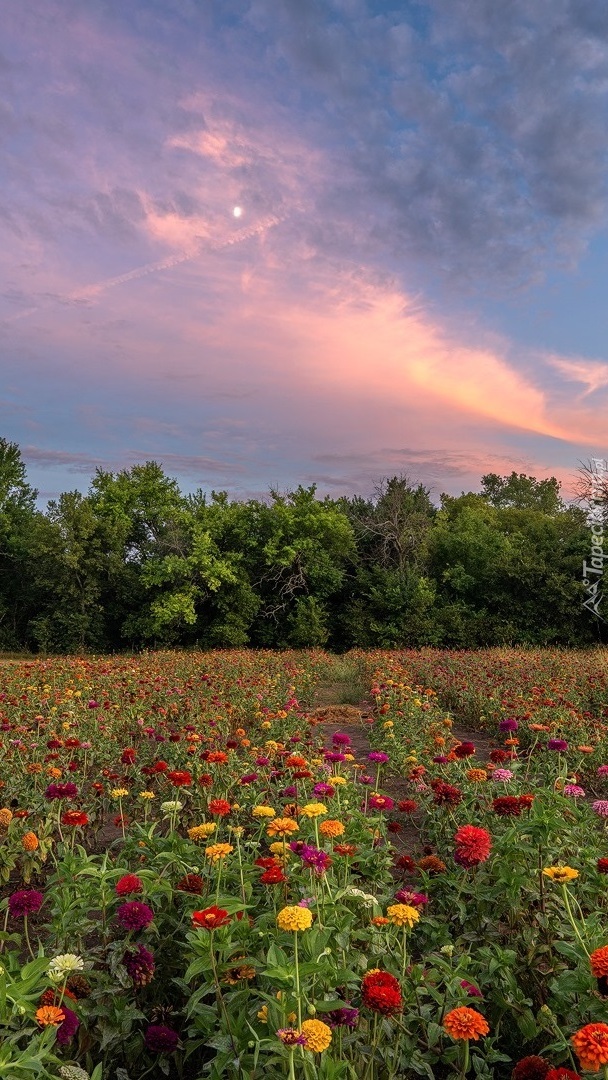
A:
<point x="280" y="242"/>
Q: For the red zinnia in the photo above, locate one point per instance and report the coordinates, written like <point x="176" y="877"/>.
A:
<point x="191" y="883"/>
<point x="532" y="1067"/>
<point x="472" y="845"/>
<point x="407" y="806"/>
<point x="76" y="818"/>
<point x="602" y="866"/>
<point x="210" y="918"/>
<point x="381" y="992"/>
<point x="179" y="778"/>
<point x="205" y="780"/>
<point x="273" y="876"/>
<point x="128" y="885"/>
<point x="464" y="749"/>
<point x="507" y="806"/>
<point x="219" y="807"/>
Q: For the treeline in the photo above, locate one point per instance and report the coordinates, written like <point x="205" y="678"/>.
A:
<point x="135" y="564"/>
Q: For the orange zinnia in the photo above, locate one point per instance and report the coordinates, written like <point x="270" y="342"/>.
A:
<point x="465" y="1023"/>
<point x="599" y="962"/>
<point x="331" y="827"/>
<point x="591" y="1045"/>
<point x="50" y="1016"/>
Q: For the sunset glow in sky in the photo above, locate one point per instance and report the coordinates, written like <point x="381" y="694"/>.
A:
<point x="271" y="242"/>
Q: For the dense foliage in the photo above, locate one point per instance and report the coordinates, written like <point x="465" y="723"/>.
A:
<point x="135" y="563"/>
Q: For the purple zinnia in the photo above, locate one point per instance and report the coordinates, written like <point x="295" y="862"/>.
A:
<point x="557" y="744"/>
<point x="68" y="1027"/>
<point x="339" y="738"/>
<point x="602" y="770"/>
<point x="25" y="902"/>
<point x="134" y="915"/>
<point x="314" y="858"/>
<point x="324" y="789"/>
<point x="472" y="991"/>
<point x="509" y="724"/>
<point x="334" y="756"/>
<point x="250" y="778"/>
<point x="440" y="759"/>
<point x="573" y="791"/>
<point x="378" y="756"/>
<point x="600" y="806"/>
<point x="140" y="966"/>
<point x="343" y="1017"/>
<point x="262" y="761"/>
<point x="161" y="1039"/>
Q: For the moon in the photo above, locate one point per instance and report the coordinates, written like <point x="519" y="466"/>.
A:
<point x="237" y="211"/>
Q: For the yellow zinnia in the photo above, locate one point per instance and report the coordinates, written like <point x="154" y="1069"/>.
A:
<point x="560" y="873"/>
<point x="201" y="832"/>
<point x="313" y="809"/>
<point x="263" y="811"/>
<point x="403" y="915"/>
<point x="317" y="1035"/>
<point x="294" y="918"/>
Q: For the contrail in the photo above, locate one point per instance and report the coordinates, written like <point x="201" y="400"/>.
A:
<point x="90" y="291"/>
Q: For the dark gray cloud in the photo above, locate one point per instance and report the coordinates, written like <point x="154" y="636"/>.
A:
<point x="472" y="137"/>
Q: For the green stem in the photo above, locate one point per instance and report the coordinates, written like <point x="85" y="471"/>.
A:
<point x="404" y="954"/>
<point x="572" y="919"/>
<point x="465" y="1057"/>
<point x="297" y="967"/>
<point x="27" y="937"/>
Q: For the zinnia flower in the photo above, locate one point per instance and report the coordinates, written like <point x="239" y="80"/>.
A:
<point x="343" y="1017"/>
<point x="50" y="1016"/>
<point x="599" y="962"/>
<point x="25" y="902"/>
<point x="191" y="883"/>
<point x="331" y="828"/>
<point x="403" y="915"/>
<point x="532" y="1067"/>
<point x="216" y="852"/>
<point x="161" y="1039"/>
<point x="291" y="1037"/>
<point x="74" y="818"/>
<point x="602" y="866"/>
<point x="134" y="915"/>
<point x="219" y="807"/>
<point x="472" y="845"/>
<point x="68" y="1027"/>
<point x="380" y="802"/>
<point x="465" y="1023"/>
<point x="317" y="1035"/>
<point x="560" y="873"/>
<point x="63" y="964"/>
<point x="562" y="1073"/>
<point x="179" y="778"/>
<point x="600" y="807"/>
<point x="282" y="826"/>
<point x="313" y="810"/>
<point x="381" y="992"/>
<point x="128" y="884"/>
<point x="210" y="918"/>
<point x="591" y="1046"/>
<point x="140" y="966"/>
<point x="294" y="918"/>
<point x="557" y="744"/>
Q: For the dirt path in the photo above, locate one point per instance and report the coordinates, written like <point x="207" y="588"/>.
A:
<point x="334" y="715"/>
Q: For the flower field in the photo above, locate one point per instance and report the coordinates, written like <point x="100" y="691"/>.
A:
<point x="207" y="870"/>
